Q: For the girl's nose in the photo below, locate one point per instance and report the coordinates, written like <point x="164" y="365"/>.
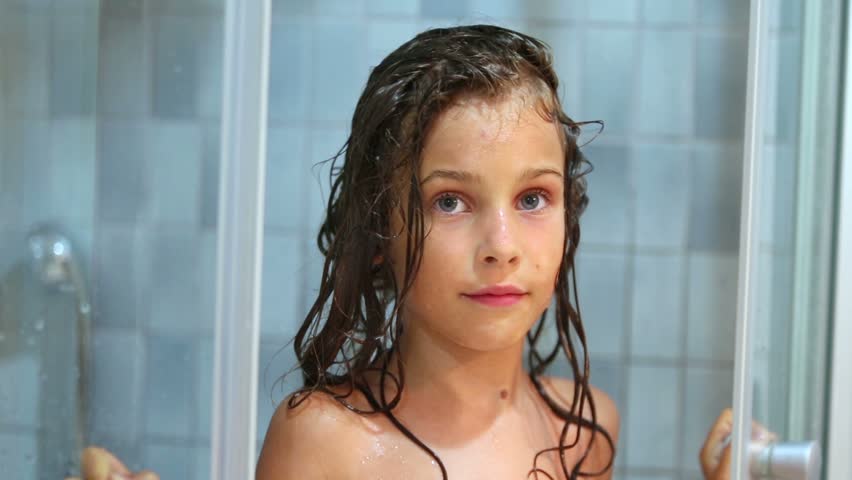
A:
<point x="499" y="245"/>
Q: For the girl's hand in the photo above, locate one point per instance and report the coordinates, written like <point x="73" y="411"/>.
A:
<point x="715" y="455"/>
<point x="99" y="464"/>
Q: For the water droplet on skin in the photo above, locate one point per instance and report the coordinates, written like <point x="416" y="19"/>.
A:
<point x="433" y="462"/>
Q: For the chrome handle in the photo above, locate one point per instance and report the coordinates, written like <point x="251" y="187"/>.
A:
<point x="785" y="461"/>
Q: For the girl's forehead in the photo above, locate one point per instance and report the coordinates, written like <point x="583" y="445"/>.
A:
<point x="474" y="127"/>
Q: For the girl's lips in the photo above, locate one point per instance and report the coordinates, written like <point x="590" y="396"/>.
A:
<point x="504" y="300"/>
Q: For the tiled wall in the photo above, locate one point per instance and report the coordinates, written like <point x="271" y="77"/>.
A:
<point x="657" y="264"/>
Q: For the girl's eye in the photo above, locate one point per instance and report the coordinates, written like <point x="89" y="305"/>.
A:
<point x="533" y="201"/>
<point x="449" y="203"/>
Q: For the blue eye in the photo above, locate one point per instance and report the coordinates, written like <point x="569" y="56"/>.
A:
<point x="448" y="203"/>
<point x="532" y="201"/>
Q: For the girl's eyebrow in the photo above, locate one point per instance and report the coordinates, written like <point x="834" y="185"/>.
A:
<point x="463" y="176"/>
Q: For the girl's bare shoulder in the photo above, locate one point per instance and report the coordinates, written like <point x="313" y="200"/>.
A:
<point x="606" y="411"/>
<point x="602" y="453"/>
<point x="311" y="440"/>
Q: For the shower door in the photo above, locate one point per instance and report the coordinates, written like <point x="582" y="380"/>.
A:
<point x="787" y="238"/>
<point x="109" y="171"/>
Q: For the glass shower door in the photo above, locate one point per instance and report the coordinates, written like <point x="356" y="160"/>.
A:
<point x="786" y="237"/>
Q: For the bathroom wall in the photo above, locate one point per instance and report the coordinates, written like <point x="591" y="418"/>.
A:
<point x="121" y="150"/>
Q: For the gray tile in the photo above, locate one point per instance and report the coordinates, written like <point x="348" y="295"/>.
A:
<point x="385" y="36"/>
<point x="26" y="195"/>
<point x="660" y="176"/>
<point x="281" y="288"/>
<point x="18" y="454"/>
<point x="73" y="69"/>
<point x="712" y="300"/>
<point x="715" y="191"/>
<point x="789" y="17"/>
<point x="665" y="89"/>
<point x="608" y="77"/>
<point x="564" y="40"/>
<point x="605" y="220"/>
<point x="122" y="82"/>
<point x="285" y="177"/>
<point x="724" y="13"/>
<point x="169" y="389"/>
<point x="20" y="390"/>
<point x="324" y="144"/>
<point x="393" y="7"/>
<point x="668" y="11"/>
<point x="174" y="151"/>
<point x="653" y="417"/>
<point x="708" y="391"/>
<point x="201" y="467"/>
<point x="122" y="171"/>
<point x="89" y="7"/>
<point x="169" y="460"/>
<point x="71" y="177"/>
<point x="340" y="69"/>
<point x="556" y="9"/>
<point x="658" y="296"/>
<point x="203" y="410"/>
<point x="173" y="278"/>
<point x="444" y="8"/>
<point x="494" y="9"/>
<point x="343" y="8"/>
<point x="600" y="279"/>
<point x="292" y="7"/>
<point x="720" y="86"/>
<point x="210" y="66"/>
<point x="622" y="11"/>
<point x="210" y="165"/>
<point x="207" y="295"/>
<point x="177" y="52"/>
<point x="118" y="358"/>
<point x="130" y="9"/>
<point x="27" y="89"/>
<point x="186" y="7"/>
<point x="119" y="294"/>
<point x="290" y="70"/>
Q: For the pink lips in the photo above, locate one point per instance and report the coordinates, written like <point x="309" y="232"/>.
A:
<point x="497" y="295"/>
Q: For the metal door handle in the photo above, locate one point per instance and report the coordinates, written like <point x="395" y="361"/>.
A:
<point x="785" y="461"/>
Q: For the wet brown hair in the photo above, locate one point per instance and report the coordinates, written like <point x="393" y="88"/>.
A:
<point x="352" y="328"/>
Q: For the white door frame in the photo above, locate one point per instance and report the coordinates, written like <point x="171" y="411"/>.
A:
<point x="839" y="460"/>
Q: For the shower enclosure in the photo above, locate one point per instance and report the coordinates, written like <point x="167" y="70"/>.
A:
<point x="159" y="200"/>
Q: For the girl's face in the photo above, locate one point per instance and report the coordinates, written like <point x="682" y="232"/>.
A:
<point x="492" y="176"/>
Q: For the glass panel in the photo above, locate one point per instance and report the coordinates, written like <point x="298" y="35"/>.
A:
<point x="794" y="197"/>
<point x="109" y="134"/>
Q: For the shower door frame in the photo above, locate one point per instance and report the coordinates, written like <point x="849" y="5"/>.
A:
<point x="835" y="392"/>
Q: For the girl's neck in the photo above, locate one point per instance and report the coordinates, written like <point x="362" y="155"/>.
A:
<point x="469" y="383"/>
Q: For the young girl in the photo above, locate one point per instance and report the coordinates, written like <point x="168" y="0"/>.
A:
<point x="449" y="240"/>
<point x="451" y="228"/>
